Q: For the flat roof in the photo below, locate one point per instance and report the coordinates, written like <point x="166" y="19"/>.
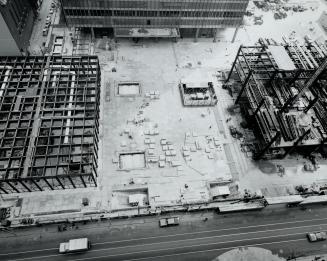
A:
<point x="241" y="206"/>
<point x="314" y="199"/>
<point x="281" y="57"/>
<point x="195" y="85"/>
<point x="284" y="199"/>
<point x="220" y="191"/>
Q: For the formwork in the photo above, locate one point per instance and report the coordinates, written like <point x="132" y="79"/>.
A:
<point x="49" y="122"/>
<point x="284" y="89"/>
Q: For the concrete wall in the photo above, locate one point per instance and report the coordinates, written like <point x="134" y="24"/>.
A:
<point x="8" y="44"/>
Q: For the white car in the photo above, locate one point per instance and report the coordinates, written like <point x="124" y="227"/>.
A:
<point x="316" y="236"/>
<point x="171" y="221"/>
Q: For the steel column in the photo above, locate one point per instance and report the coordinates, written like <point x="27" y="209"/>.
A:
<point x="233" y="66"/>
<point x="12" y="186"/>
<point x="288" y="151"/>
<point x="83" y="181"/>
<point x="3" y="190"/>
<point x="95" y="183"/>
<point x="35" y="183"/>
<point x="63" y="187"/>
<point x="243" y="86"/>
<point x="263" y="151"/>
<point x="24" y="185"/>
<point x="71" y="181"/>
<point x="46" y="181"/>
<point x="259" y="107"/>
<point x="311" y="104"/>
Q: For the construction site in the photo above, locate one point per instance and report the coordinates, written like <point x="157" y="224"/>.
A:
<point x="49" y="122"/>
<point x="106" y="126"/>
<point x="282" y="91"/>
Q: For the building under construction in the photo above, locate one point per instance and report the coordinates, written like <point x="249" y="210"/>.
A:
<point x="189" y="18"/>
<point x="49" y="122"/>
<point x="283" y="92"/>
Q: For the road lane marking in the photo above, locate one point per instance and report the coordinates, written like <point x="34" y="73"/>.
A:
<point x="200" y="251"/>
<point x="184" y="234"/>
<point x="165" y="249"/>
<point x="205" y="251"/>
<point x="217" y="236"/>
<point x="215" y="230"/>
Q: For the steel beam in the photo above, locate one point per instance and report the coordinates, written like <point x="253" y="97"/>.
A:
<point x="24" y="185"/>
<point x="243" y="87"/>
<point x="307" y="85"/>
<point x="6" y="192"/>
<point x="94" y="181"/>
<point x="37" y="185"/>
<point x="289" y="150"/>
<point x="264" y="150"/>
<point x="233" y="66"/>
<point x="311" y="104"/>
<point x="296" y="77"/>
<point x="259" y="107"/>
<point x="13" y="187"/>
<point x="60" y="183"/>
<point x="46" y="181"/>
<point x="71" y="181"/>
<point x="83" y="181"/>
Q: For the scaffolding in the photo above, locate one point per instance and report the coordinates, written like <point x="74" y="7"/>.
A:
<point x="49" y="122"/>
<point x="284" y="90"/>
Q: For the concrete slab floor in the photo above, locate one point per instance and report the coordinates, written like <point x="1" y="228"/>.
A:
<point x="140" y="123"/>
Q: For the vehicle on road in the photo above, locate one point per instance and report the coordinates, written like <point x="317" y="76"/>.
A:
<point x="75" y="245"/>
<point x="45" y="31"/>
<point x="170" y="221"/>
<point x="316" y="236"/>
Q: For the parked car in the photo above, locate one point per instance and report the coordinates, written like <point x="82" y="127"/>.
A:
<point x="51" y="11"/>
<point x="170" y="221"/>
<point x="316" y="236"/>
<point x="45" y="31"/>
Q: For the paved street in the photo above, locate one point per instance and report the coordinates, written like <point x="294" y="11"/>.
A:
<point x="283" y="232"/>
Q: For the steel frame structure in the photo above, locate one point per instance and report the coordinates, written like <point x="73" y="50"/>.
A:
<point x="49" y="122"/>
<point x="186" y="14"/>
<point x="272" y="94"/>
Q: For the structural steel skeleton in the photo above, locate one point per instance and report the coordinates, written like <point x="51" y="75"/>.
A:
<point x="285" y="89"/>
<point x="49" y="122"/>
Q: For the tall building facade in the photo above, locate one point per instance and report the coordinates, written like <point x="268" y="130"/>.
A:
<point x="192" y="17"/>
<point x="16" y="25"/>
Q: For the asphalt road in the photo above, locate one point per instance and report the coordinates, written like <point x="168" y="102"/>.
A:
<point x="286" y="237"/>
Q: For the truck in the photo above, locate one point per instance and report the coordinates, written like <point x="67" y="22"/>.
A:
<point x="171" y="221"/>
<point x="75" y="245"/>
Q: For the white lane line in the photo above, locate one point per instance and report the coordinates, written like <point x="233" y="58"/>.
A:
<point x="208" y="231"/>
<point x="140" y="252"/>
<point x="183" y="234"/>
<point x="210" y="250"/>
<point x="160" y="249"/>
